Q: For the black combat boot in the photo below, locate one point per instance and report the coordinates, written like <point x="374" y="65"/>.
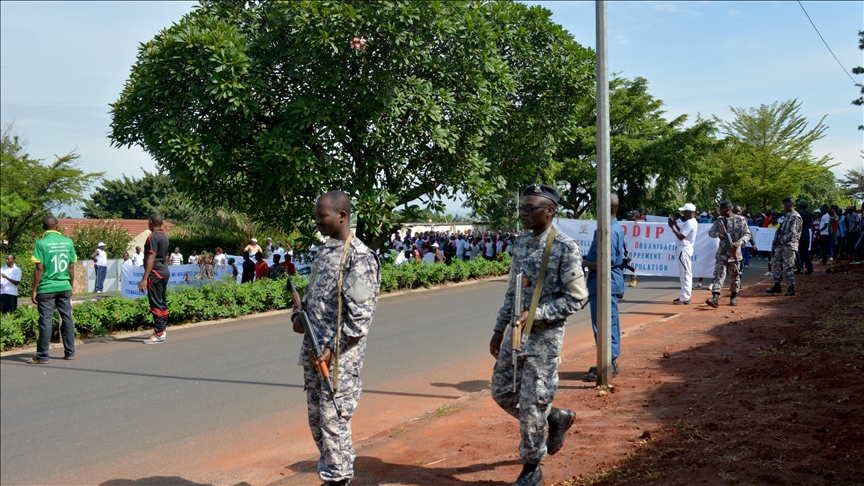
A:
<point x="714" y="301"/>
<point x="531" y="475"/>
<point x="791" y="290"/>
<point x="733" y="299"/>
<point x="775" y="289"/>
<point x="560" y="422"/>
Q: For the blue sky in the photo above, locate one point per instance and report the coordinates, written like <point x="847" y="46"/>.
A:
<point x="61" y="63"/>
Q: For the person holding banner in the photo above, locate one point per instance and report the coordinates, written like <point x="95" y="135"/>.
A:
<point x="734" y="234"/>
<point x="155" y="279"/>
<point x="788" y="236"/>
<point x="686" y="234"/>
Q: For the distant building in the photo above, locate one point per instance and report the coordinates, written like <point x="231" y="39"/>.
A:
<point x="136" y="227"/>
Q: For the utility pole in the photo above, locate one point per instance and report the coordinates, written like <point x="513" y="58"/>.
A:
<point x="604" y="246"/>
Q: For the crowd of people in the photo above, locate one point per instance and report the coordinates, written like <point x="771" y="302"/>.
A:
<point x="443" y="247"/>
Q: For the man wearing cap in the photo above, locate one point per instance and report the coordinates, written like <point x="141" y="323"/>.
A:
<point x="728" y="257"/>
<point x="269" y="248"/>
<point x="100" y="259"/>
<point x="789" y="235"/>
<point x="685" y="230"/>
<point x="559" y="294"/>
<point x="804" y="259"/>
<point x="252" y="248"/>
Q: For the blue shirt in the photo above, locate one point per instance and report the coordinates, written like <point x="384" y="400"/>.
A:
<point x="617" y="234"/>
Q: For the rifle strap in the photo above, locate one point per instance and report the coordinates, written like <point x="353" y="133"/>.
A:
<point x="339" y="312"/>
<point x="538" y="288"/>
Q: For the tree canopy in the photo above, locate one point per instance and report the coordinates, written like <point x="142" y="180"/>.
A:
<point x="655" y="162"/>
<point x="131" y="198"/>
<point x="769" y="155"/>
<point x="261" y="107"/>
<point x="30" y="190"/>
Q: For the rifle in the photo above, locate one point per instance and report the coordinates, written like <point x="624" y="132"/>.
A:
<point x="732" y="250"/>
<point x="515" y="330"/>
<point x="314" y="346"/>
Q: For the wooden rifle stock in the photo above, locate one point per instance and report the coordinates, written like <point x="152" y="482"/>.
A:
<point x="314" y="346"/>
<point x="732" y="250"/>
<point x="515" y="330"/>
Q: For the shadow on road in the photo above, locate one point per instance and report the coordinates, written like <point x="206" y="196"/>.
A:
<point x="374" y="471"/>
<point x="67" y="366"/>
<point x="466" y="386"/>
<point x="156" y="481"/>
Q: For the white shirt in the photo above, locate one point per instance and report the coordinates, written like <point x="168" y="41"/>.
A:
<point x="193" y="259"/>
<point x="129" y="263"/>
<point x="7" y="287"/>
<point x="826" y="222"/>
<point x="138" y="259"/>
<point x="499" y="246"/>
<point x="176" y="259"/>
<point x="490" y="249"/>
<point x="220" y="259"/>
<point x="101" y="258"/>
<point x="688" y="229"/>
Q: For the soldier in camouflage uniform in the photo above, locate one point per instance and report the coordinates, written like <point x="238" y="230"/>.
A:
<point x="360" y="282"/>
<point x="739" y="231"/>
<point x="539" y="357"/>
<point x="788" y="236"/>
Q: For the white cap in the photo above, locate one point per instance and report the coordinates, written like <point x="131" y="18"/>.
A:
<point x="688" y="207"/>
<point x="255" y="240"/>
<point x="434" y="245"/>
<point x="101" y="244"/>
<point x="704" y="214"/>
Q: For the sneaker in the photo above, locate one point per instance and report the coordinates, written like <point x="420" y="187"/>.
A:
<point x="698" y="286"/>
<point x="746" y="266"/>
<point x="156" y="338"/>
<point x="36" y="360"/>
<point x="69" y="357"/>
<point x="681" y="302"/>
<point x="767" y="274"/>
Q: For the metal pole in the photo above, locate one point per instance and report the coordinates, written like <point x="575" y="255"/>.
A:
<point x="604" y="257"/>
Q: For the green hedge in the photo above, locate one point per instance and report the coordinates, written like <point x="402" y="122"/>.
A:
<point x="220" y="300"/>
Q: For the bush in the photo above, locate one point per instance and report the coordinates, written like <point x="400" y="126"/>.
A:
<point x="86" y="237"/>
<point x="219" y="300"/>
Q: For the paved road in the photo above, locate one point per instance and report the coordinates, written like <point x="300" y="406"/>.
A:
<point x="122" y="409"/>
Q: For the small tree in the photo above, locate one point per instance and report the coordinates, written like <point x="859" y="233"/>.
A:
<point x="29" y="189"/>
<point x="137" y="198"/>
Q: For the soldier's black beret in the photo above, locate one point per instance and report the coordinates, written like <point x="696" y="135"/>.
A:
<point x="542" y="190"/>
<point x="789" y="199"/>
<point x="725" y="204"/>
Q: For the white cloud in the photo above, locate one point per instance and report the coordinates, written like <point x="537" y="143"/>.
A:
<point x="734" y="13"/>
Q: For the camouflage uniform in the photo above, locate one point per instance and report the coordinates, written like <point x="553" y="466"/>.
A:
<point x="739" y="231"/>
<point x="361" y="283"/>
<point x="789" y="234"/>
<point x="538" y="360"/>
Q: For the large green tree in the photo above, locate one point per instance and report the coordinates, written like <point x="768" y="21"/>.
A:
<point x="853" y="184"/>
<point x="137" y="199"/>
<point x="30" y="190"/>
<point x="260" y="107"/>
<point x="655" y="162"/>
<point x="770" y="154"/>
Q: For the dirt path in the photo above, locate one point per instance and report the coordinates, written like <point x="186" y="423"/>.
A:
<point x="770" y="392"/>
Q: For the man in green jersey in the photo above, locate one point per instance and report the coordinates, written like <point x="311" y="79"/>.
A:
<point x="54" y="256"/>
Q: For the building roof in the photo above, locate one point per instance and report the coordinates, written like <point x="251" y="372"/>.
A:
<point x="134" y="226"/>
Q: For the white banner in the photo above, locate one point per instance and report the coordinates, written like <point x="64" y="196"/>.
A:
<point x="651" y="246"/>
<point x="181" y="275"/>
<point x="762" y="237"/>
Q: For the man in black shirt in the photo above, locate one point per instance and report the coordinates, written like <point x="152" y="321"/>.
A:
<point x="155" y="279"/>
<point x="804" y="259"/>
<point x="248" y="269"/>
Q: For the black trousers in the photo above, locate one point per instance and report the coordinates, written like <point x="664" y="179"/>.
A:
<point x="824" y="243"/>
<point x="8" y="303"/>
<point x="157" y="294"/>
<point x="804" y="259"/>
